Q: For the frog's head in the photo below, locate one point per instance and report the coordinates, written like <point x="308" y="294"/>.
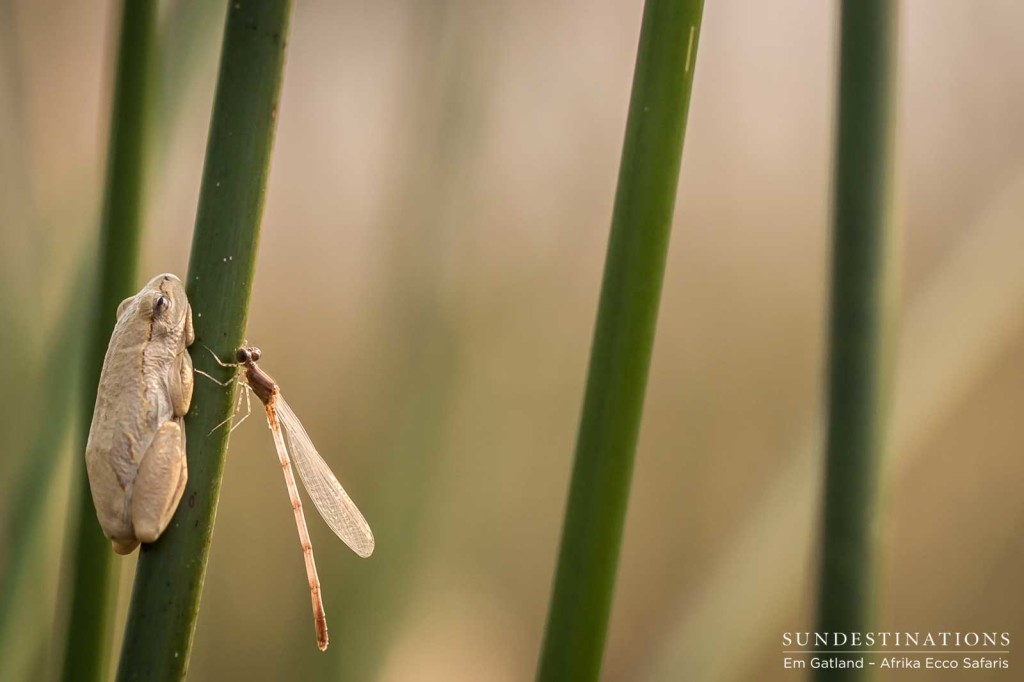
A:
<point x="164" y="302"/>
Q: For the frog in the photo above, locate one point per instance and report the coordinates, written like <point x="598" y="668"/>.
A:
<point x="135" y="453"/>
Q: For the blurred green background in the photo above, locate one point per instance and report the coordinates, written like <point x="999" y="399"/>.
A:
<point x="435" y="227"/>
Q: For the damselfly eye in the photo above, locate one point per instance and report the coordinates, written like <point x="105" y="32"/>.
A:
<point x="256" y="354"/>
<point x="161" y="304"/>
<point x="242" y="355"/>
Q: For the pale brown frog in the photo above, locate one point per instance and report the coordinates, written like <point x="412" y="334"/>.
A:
<point x="135" y="455"/>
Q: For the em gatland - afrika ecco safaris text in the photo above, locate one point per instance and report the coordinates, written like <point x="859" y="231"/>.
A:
<point x="899" y="650"/>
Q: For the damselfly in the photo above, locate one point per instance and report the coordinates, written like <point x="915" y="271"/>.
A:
<point x="330" y="499"/>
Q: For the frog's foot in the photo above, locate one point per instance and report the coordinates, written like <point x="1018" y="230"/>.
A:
<point x="160" y="482"/>
<point x="124" y="548"/>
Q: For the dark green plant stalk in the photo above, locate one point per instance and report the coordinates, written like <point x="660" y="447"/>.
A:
<point x="857" y="390"/>
<point x="88" y="630"/>
<point x="169" y="578"/>
<point x="623" y="337"/>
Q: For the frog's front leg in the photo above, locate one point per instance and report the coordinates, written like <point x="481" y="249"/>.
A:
<point x="181" y="384"/>
<point x="160" y="483"/>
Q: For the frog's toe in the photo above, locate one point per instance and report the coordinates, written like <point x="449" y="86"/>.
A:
<point x="124" y="548"/>
<point x="148" y="532"/>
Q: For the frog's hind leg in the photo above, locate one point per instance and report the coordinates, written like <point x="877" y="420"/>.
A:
<point x="160" y="482"/>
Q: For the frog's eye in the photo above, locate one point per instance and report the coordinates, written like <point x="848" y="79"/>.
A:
<point x="161" y="304"/>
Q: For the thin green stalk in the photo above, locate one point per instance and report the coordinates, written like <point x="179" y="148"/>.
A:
<point x="190" y="34"/>
<point x="623" y="337"/>
<point x="22" y="622"/>
<point x="857" y="391"/>
<point x="169" y="578"/>
<point x="89" y="624"/>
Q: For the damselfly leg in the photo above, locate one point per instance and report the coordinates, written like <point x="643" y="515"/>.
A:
<point x="229" y="383"/>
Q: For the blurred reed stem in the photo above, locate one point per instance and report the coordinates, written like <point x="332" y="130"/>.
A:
<point x="22" y="622"/>
<point x="23" y="274"/>
<point x="89" y="624"/>
<point x="169" y="578"/>
<point x="623" y="338"/>
<point x="861" y="259"/>
<point x="443" y="93"/>
<point x="190" y="34"/>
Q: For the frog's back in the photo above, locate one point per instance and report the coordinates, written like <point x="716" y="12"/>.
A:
<point x="126" y="416"/>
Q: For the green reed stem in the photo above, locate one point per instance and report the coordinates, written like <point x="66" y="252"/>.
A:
<point x="23" y="625"/>
<point x="169" y="580"/>
<point x="861" y="260"/>
<point x="623" y="337"/>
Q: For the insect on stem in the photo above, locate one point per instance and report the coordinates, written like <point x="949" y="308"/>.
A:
<point x="330" y="499"/>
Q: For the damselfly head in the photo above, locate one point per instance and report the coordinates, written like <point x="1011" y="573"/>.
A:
<point x="247" y="354"/>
